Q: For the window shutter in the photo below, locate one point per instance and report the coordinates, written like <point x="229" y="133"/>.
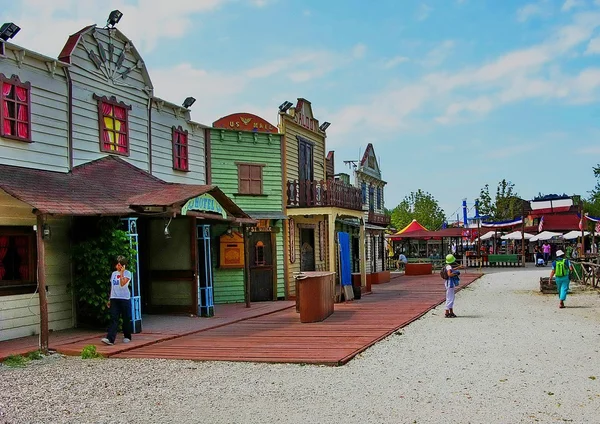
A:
<point x="364" y="192"/>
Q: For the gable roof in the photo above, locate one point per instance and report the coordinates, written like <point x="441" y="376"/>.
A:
<point x="74" y="40"/>
<point x="413" y="226"/>
<point x="369" y="151"/>
<point x="87" y="190"/>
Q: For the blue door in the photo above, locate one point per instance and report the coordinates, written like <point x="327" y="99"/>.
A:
<point x="136" y="306"/>
<point x="204" y="276"/>
<point x="345" y="262"/>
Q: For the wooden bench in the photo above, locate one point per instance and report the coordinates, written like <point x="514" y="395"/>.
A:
<point x="504" y="260"/>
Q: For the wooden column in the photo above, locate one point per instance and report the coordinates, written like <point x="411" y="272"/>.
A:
<point x="246" y="264"/>
<point x="361" y="251"/>
<point x="523" y="233"/>
<point x="582" y="253"/>
<point x="331" y="243"/>
<point x="41" y="276"/>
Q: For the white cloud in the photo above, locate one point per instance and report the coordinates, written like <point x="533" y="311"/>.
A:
<point x="438" y="54"/>
<point x="45" y="25"/>
<point x="570" y="4"/>
<point x="359" y="51"/>
<point x="395" y="61"/>
<point x="531" y="10"/>
<point x="593" y="46"/>
<point x="423" y="11"/>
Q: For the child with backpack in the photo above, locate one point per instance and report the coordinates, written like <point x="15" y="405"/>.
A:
<point x="451" y="274"/>
<point x="560" y="271"/>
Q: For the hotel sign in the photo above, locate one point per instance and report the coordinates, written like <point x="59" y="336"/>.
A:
<point x="245" y="122"/>
<point x="204" y="203"/>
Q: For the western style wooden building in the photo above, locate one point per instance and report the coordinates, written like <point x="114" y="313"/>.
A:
<point x="83" y="136"/>
<point x="246" y="163"/>
<point x="315" y="201"/>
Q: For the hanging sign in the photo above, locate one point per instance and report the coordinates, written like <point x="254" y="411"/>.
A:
<point x="204" y="203"/>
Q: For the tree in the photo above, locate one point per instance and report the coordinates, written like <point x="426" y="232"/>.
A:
<point x="504" y="206"/>
<point x="421" y="206"/>
<point x="592" y="204"/>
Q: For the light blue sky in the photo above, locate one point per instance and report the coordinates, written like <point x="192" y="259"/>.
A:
<point x="452" y="93"/>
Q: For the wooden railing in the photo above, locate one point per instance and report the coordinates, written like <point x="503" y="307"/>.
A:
<point x="378" y="218"/>
<point x="307" y="194"/>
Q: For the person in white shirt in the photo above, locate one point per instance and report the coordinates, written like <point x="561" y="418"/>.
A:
<point x="402" y="261"/>
<point x="119" y="303"/>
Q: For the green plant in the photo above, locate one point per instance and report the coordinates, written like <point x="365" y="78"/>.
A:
<point x="94" y="261"/>
<point x="90" y="352"/>
<point x="16" y="361"/>
<point x="35" y="355"/>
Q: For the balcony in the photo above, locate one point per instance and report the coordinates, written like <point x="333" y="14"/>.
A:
<point x="378" y="219"/>
<point x="307" y="194"/>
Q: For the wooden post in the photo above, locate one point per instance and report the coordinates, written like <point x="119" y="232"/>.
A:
<point x="41" y="276"/>
<point x="246" y="265"/>
<point x="523" y="232"/>
<point x="582" y="252"/>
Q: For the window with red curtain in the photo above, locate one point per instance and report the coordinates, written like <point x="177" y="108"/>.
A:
<point x="250" y="178"/>
<point x="113" y="121"/>
<point x="180" y="150"/>
<point x="17" y="260"/>
<point x="15" y="101"/>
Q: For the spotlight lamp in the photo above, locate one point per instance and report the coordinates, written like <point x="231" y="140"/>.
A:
<point x="114" y="18"/>
<point x="324" y="126"/>
<point x="188" y="102"/>
<point x="285" y="106"/>
<point x="8" y="30"/>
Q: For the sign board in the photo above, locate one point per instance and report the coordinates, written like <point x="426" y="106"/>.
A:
<point x="245" y="122"/>
<point x="303" y="116"/>
<point x="204" y="203"/>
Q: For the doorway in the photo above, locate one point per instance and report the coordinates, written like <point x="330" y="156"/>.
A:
<point x="261" y="267"/>
<point x="307" y="249"/>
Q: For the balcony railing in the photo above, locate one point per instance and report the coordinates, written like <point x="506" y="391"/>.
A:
<point x="378" y="219"/>
<point x="306" y="194"/>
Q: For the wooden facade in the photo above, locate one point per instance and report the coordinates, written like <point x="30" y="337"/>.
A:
<point x="368" y="179"/>
<point x="243" y="140"/>
<point x="313" y="202"/>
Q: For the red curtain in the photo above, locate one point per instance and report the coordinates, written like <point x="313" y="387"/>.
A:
<point x="183" y="151"/>
<point x="3" y="249"/>
<point x="121" y="115"/>
<point x="6" y="89"/>
<point x="23" y="113"/>
<point x="23" y="251"/>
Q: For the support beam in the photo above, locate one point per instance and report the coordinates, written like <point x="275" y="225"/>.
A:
<point x="41" y="277"/>
<point x="362" y="246"/>
<point x="331" y="242"/>
<point x="246" y="232"/>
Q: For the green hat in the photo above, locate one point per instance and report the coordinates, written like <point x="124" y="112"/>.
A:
<point x="450" y="259"/>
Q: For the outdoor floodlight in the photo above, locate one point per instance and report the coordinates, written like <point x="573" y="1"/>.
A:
<point x="285" y="106"/>
<point x="8" y="30"/>
<point x="188" y="102"/>
<point x="114" y="18"/>
<point x="324" y="126"/>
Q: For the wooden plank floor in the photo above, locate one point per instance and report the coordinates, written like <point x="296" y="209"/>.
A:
<point x="280" y="337"/>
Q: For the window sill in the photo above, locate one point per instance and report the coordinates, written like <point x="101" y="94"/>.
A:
<point x="249" y="195"/>
<point x="113" y="152"/>
<point x="18" y="289"/>
<point x="16" y="138"/>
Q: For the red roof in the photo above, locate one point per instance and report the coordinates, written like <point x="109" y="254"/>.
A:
<point x="429" y="235"/>
<point x="413" y="226"/>
<point x="71" y="44"/>
<point x="107" y="186"/>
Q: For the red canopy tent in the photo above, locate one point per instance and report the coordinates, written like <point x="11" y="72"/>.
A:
<point x="413" y="226"/>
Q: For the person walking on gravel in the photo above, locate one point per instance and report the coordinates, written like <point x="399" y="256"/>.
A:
<point x="451" y="282"/>
<point x="561" y="268"/>
<point x="119" y="302"/>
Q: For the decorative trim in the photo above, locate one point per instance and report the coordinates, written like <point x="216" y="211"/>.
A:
<point x="321" y="240"/>
<point x="292" y="240"/>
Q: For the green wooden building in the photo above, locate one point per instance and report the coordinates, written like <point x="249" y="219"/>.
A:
<point x="245" y="155"/>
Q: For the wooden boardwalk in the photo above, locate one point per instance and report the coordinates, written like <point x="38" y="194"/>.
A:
<point x="281" y="338"/>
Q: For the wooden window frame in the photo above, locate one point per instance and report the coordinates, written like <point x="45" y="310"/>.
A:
<point x="16" y="287"/>
<point x="251" y="165"/>
<point x="15" y="82"/>
<point x="102" y="128"/>
<point x="304" y="142"/>
<point x="176" y="134"/>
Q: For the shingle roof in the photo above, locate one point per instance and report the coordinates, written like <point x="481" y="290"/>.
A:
<point x="107" y="186"/>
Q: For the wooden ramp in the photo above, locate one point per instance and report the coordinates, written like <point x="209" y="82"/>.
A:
<point x="280" y="337"/>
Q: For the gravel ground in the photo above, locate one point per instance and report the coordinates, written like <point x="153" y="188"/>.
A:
<point x="511" y="357"/>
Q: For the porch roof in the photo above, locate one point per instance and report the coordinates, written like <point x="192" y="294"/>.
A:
<point x="107" y="186"/>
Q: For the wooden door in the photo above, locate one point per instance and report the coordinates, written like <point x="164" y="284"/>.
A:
<point x="261" y="268"/>
<point x="307" y="249"/>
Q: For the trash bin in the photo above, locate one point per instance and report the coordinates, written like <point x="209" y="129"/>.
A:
<point x="315" y="295"/>
<point x="356" y="288"/>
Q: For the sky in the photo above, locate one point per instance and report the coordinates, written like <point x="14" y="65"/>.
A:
<point x="453" y="94"/>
